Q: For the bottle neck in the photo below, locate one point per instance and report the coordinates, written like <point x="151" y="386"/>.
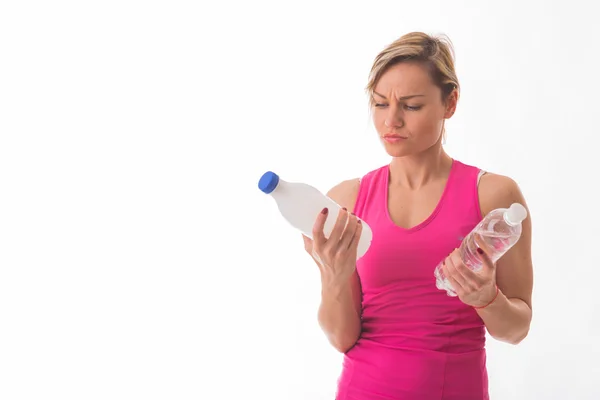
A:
<point x="508" y="221"/>
<point x="279" y="189"/>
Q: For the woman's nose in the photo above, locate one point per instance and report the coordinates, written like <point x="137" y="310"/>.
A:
<point x="393" y="121"/>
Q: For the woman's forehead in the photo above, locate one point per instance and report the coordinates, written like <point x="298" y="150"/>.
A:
<point x="403" y="79"/>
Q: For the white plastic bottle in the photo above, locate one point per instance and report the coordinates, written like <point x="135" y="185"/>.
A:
<point x="499" y="230"/>
<point x="300" y="204"/>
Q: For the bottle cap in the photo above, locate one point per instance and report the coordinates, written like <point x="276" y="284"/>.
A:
<point x="268" y="182"/>
<point x="515" y="214"/>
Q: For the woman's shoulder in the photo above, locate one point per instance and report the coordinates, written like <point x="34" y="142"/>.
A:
<point x="498" y="191"/>
<point x="494" y="190"/>
<point x="345" y="193"/>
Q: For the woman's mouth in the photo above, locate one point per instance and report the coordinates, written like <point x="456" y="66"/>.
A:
<point x="394" y="138"/>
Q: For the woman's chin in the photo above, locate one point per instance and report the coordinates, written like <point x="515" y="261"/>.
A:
<point x="394" y="150"/>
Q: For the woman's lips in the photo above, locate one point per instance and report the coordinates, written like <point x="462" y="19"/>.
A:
<point x="394" y="138"/>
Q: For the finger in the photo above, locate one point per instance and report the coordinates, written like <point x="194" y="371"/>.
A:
<point x="338" y="228"/>
<point x="469" y="280"/>
<point x="317" y="232"/>
<point x="348" y="234"/>
<point x="468" y="275"/>
<point x="454" y="284"/>
<point x="356" y="238"/>
<point x="452" y="274"/>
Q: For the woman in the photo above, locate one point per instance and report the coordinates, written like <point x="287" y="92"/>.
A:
<point x="402" y="338"/>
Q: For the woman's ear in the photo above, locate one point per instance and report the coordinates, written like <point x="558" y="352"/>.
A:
<point x="451" y="103"/>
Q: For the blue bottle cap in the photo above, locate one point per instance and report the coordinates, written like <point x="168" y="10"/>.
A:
<point x="268" y="182"/>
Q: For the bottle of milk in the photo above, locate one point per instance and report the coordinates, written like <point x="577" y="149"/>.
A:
<point x="300" y="204"/>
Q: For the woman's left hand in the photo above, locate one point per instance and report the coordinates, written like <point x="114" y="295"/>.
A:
<point x="476" y="289"/>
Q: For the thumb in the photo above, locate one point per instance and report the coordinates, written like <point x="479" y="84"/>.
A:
<point x="308" y="243"/>
<point x="487" y="261"/>
<point x="483" y="253"/>
<point x="308" y="246"/>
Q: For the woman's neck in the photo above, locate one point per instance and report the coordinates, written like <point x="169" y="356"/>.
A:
<point x="417" y="170"/>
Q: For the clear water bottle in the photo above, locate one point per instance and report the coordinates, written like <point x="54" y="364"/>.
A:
<point x="300" y="204"/>
<point x="499" y="230"/>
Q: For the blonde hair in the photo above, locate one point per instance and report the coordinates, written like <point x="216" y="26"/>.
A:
<point x="434" y="52"/>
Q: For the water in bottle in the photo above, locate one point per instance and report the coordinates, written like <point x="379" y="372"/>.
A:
<point x="499" y="230"/>
<point x="300" y="204"/>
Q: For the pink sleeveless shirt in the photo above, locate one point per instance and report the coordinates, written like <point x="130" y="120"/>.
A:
<point x="417" y="343"/>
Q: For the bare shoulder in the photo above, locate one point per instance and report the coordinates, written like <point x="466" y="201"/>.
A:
<point x="498" y="191"/>
<point x="345" y="193"/>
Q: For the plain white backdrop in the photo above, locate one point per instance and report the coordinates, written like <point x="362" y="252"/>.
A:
<point x="139" y="260"/>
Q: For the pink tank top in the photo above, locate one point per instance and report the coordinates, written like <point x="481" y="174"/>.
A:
<point x="417" y="343"/>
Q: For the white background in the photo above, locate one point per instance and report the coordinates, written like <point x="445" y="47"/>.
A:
<point x="139" y="260"/>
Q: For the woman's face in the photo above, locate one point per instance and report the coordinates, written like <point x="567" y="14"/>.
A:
<point x="408" y="109"/>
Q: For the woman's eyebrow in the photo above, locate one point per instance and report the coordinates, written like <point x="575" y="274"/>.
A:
<point x="401" y="98"/>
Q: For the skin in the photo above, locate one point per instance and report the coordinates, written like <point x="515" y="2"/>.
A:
<point x="408" y="104"/>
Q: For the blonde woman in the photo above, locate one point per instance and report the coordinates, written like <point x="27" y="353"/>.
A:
<point x="402" y="338"/>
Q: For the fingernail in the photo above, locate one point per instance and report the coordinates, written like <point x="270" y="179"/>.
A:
<point x="345" y="209"/>
<point x="359" y="221"/>
<point x="324" y="211"/>
<point x="353" y="214"/>
<point x="479" y="250"/>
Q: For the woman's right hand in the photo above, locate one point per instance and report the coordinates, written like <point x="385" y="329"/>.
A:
<point x="336" y="256"/>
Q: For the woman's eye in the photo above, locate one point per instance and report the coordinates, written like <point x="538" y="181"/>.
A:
<point x="406" y="107"/>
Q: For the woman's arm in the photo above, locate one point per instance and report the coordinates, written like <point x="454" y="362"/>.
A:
<point x="508" y="317"/>
<point x="338" y="315"/>
<point x="340" y="310"/>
